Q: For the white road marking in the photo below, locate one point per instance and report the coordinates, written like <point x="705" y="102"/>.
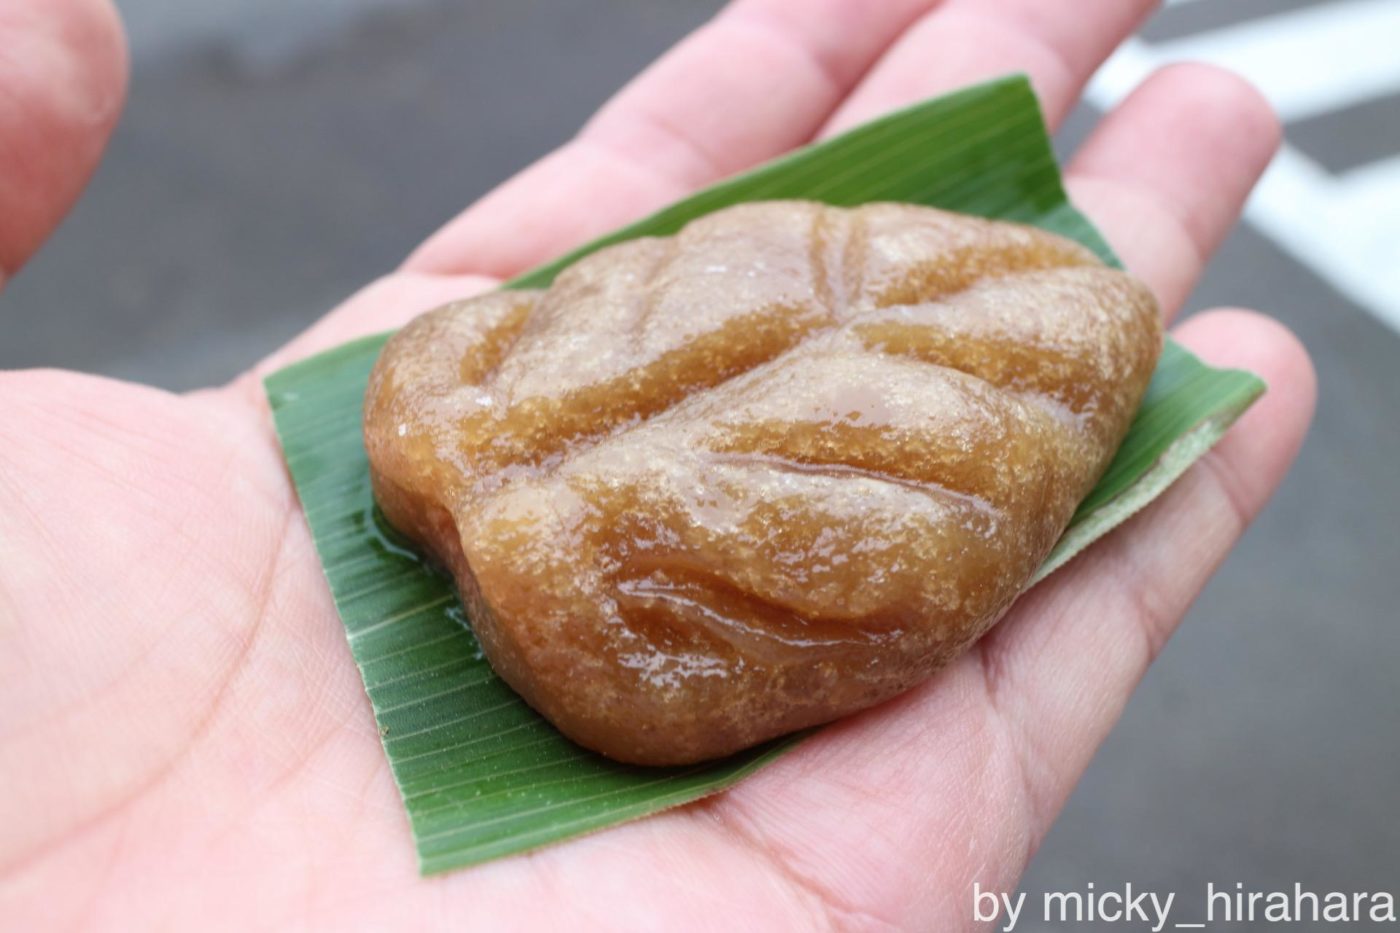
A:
<point x="1308" y="61"/>
<point x="1344" y="227"/>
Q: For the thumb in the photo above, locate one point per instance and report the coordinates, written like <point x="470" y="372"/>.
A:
<point x="62" y="81"/>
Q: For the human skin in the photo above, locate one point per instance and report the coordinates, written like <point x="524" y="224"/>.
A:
<point x="184" y="739"/>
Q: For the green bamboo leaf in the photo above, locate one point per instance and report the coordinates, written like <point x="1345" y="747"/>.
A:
<point x="481" y="774"/>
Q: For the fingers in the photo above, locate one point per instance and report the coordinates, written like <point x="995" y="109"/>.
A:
<point x="753" y="83"/>
<point x="1059" y="43"/>
<point x="384" y="304"/>
<point x="986" y="754"/>
<point x="1063" y="665"/>
<point x="62" y="82"/>
<point x="1166" y="173"/>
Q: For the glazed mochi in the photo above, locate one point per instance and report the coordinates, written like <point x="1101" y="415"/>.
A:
<point x="711" y="488"/>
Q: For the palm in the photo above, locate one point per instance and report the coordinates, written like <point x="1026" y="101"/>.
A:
<point x="183" y="724"/>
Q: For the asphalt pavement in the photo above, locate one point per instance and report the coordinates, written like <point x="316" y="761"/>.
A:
<point x="276" y="156"/>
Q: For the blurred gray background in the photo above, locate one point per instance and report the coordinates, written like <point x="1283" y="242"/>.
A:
<point x="275" y="156"/>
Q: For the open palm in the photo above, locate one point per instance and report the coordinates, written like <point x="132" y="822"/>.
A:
<point x="183" y="735"/>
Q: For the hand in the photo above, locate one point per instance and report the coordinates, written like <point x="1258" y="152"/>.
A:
<point x="184" y="739"/>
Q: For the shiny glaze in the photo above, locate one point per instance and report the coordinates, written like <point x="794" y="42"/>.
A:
<point x="711" y="488"/>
